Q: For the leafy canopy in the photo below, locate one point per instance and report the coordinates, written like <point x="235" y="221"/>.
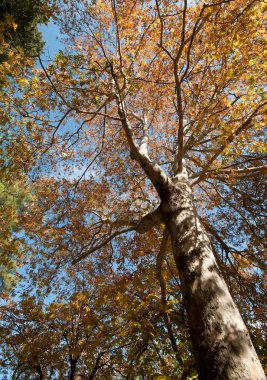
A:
<point x="19" y="22"/>
<point x="184" y="83"/>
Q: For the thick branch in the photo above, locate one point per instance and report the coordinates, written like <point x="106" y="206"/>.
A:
<point x="144" y="140"/>
<point x="148" y="221"/>
<point x="97" y="366"/>
<point x="153" y="171"/>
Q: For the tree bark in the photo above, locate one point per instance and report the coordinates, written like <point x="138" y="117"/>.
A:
<point x="73" y="364"/>
<point x="221" y="342"/>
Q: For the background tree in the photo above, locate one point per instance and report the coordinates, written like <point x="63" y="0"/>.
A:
<point x="158" y="108"/>
<point x="19" y="22"/>
<point x="13" y="195"/>
<point x="20" y="42"/>
<point x="110" y="328"/>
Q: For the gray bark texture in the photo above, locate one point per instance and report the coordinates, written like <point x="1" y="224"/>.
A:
<point x="221" y="342"/>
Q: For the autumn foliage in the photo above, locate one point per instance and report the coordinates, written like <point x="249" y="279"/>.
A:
<point x="143" y="92"/>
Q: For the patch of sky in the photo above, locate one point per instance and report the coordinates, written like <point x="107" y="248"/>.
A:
<point x="68" y="129"/>
<point x="51" y="36"/>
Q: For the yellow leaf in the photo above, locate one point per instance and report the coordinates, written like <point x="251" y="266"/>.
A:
<point x="14" y="25"/>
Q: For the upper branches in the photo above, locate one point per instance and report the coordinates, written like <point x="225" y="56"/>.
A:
<point x="247" y="124"/>
<point x="171" y="84"/>
<point x="145" y="224"/>
<point x="138" y="152"/>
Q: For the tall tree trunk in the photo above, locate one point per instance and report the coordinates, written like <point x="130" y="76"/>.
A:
<point x="221" y="342"/>
<point x="73" y="364"/>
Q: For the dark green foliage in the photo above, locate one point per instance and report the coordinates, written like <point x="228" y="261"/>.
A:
<point x="14" y="194"/>
<point x="19" y="20"/>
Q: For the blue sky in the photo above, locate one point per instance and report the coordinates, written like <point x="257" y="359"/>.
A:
<point x="51" y="35"/>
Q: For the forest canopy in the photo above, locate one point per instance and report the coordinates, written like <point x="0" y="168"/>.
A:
<point x="19" y="22"/>
<point x="133" y="192"/>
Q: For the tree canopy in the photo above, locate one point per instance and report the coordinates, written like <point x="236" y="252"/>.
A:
<point x="19" y="22"/>
<point x="21" y="42"/>
<point x="144" y="142"/>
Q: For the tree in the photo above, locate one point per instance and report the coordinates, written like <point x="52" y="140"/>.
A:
<point x="19" y="26"/>
<point x="78" y="335"/>
<point x="15" y="191"/>
<point x="21" y="42"/>
<point x="13" y="195"/>
<point x="160" y="107"/>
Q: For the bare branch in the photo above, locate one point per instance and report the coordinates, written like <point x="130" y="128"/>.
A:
<point x="197" y="27"/>
<point x="96" y="156"/>
<point x="236" y="173"/>
<point x="53" y="86"/>
<point x="243" y="127"/>
<point x="145" y="224"/>
<point x="161" y="44"/>
<point x="182" y="43"/>
<point x="154" y="171"/>
<point x="96" y="248"/>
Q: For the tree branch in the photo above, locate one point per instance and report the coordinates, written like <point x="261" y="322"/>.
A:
<point x="243" y="127"/>
<point x="96" y="248"/>
<point x="235" y="173"/>
<point x="153" y="170"/>
<point x="145" y="224"/>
